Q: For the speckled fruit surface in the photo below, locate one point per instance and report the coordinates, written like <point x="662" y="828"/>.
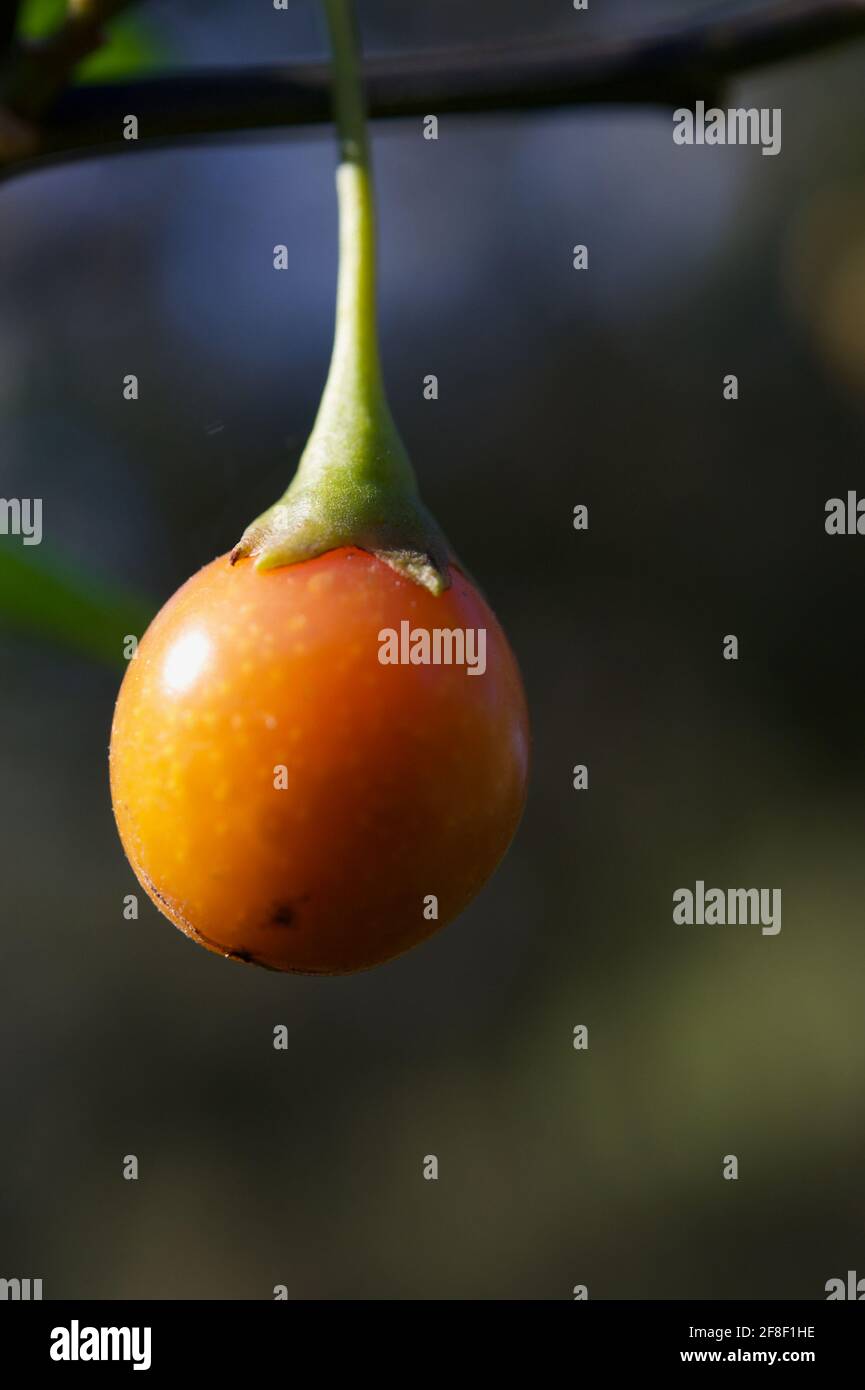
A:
<point x="287" y="799"/>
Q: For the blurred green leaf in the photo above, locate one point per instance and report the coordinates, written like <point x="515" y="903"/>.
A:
<point x="129" y="50"/>
<point x="39" y="17"/>
<point x="55" y="599"/>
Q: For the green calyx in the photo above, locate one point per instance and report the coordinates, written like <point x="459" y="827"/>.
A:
<point x="354" y="485"/>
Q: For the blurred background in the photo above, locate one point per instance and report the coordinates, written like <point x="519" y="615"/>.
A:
<point x="557" y="1167"/>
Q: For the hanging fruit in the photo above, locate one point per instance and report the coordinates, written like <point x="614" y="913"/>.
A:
<point x="319" y="753"/>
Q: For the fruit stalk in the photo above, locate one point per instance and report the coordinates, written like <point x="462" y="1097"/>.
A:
<point x="354" y="484"/>
<point x="355" y="370"/>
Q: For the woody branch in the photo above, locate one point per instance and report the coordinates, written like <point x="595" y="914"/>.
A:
<point x="45" y="118"/>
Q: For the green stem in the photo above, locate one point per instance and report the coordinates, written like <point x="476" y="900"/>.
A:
<point x="354" y="484"/>
<point x="349" y="103"/>
<point x="355" y="352"/>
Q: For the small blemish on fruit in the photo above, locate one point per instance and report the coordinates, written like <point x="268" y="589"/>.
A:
<point x="283" y="915"/>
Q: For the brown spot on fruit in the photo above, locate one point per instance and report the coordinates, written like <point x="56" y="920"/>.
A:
<point x="284" y="915"/>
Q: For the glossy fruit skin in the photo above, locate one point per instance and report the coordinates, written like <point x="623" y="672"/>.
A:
<point x="402" y="780"/>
